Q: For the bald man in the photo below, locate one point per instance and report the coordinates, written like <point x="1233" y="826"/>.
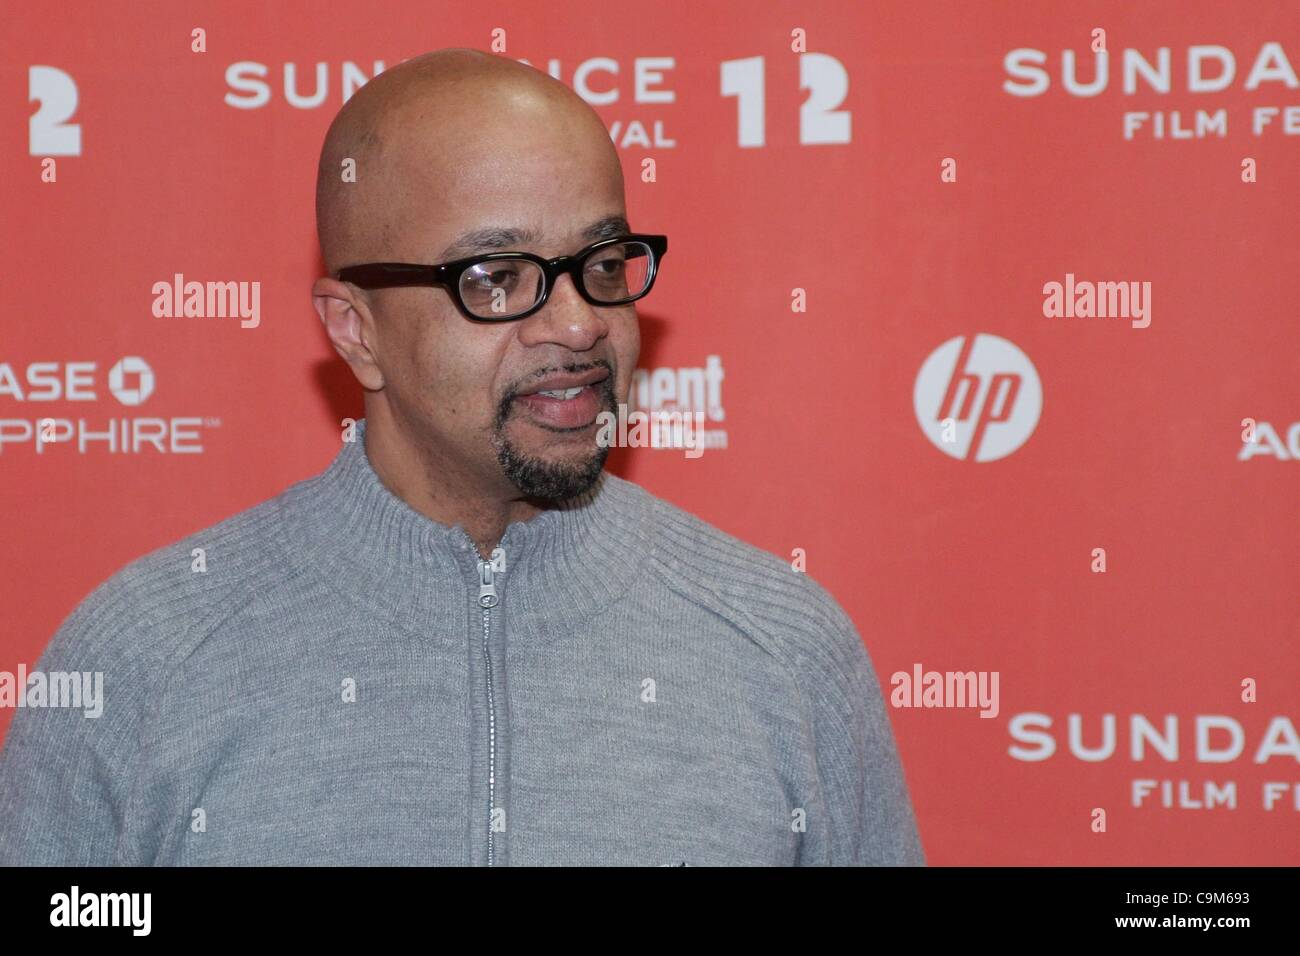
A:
<point x="464" y="642"/>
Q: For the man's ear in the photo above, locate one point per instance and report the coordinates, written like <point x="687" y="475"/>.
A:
<point x="350" y="325"/>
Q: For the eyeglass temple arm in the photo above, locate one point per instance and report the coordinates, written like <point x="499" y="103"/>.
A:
<point x="384" y="275"/>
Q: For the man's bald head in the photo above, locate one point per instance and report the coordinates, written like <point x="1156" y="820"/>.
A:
<point x="453" y="115"/>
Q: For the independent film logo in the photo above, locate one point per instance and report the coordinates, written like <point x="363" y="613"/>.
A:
<point x="978" y="397"/>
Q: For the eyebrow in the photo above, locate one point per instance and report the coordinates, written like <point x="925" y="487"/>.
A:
<point x="495" y="238"/>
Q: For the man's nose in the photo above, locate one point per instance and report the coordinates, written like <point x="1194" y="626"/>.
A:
<point x="567" y="319"/>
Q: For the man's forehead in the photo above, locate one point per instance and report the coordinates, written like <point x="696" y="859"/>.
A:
<point x="508" y="238"/>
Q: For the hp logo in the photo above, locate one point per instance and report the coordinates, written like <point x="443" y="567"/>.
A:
<point x="978" y="397"/>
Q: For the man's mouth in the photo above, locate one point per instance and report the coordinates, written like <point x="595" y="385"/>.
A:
<point x="566" y="402"/>
<point x="564" y="394"/>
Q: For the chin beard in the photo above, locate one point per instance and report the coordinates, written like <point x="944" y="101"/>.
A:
<point x="549" y="480"/>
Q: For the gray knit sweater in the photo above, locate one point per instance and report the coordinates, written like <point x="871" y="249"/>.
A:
<point x="337" y="679"/>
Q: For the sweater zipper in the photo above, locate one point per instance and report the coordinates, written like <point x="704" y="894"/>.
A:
<point x="488" y="599"/>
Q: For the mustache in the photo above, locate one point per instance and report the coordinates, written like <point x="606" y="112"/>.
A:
<point x="513" y="391"/>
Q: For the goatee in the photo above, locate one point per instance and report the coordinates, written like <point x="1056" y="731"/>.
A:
<point x="550" y="480"/>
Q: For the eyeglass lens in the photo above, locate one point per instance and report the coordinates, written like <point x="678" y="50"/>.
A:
<point x="501" y="288"/>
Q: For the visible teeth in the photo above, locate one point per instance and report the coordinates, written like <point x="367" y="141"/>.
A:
<point x="564" y="393"/>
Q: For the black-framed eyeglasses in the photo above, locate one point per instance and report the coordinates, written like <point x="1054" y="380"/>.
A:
<point x="500" y="286"/>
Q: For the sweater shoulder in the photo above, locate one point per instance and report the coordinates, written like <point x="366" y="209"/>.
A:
<point x="165" y="602"/>
<point x="787" y="611"/>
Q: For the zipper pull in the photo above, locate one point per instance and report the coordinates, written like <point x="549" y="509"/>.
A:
<point x="487" y="591"/>
<point x="487" y="571"/>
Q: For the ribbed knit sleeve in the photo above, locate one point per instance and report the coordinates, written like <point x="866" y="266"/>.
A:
<point x="867" y="817"/>
<point x="66" y="778"/>
<point x="852" y="787"/>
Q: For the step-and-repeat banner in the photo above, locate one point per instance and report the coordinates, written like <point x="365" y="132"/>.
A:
<point x="988" y="312"/>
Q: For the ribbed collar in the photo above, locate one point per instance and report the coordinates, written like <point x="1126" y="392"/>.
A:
<point x="562" y="566"/>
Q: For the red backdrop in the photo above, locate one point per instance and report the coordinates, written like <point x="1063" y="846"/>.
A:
<point x="776" y="169"/>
